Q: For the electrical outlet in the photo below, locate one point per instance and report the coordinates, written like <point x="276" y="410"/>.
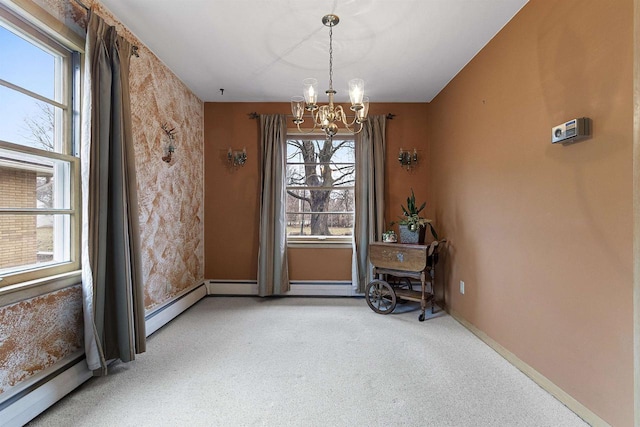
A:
<point x="461" y="287"/>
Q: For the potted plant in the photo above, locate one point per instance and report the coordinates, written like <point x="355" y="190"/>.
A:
<point x="389" y="236"/>
<point x="411" y="225"/>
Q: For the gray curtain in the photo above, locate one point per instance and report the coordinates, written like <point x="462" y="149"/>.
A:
<point x="369" y="197"/>
<point x="111" y="277"/>
<point x="273" y="270"/>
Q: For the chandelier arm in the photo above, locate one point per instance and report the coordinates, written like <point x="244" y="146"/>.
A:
<point x="353" y="122"/>
<point x="339" y="113"/>
<point x="350" y="129"/>
<point x="315" y="118"/>
<point x="309" y="132"/>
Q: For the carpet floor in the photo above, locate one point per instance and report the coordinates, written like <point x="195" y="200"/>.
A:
<point x="246" y="361"/>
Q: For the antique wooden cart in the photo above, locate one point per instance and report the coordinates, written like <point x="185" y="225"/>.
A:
<point x="395" y="264"/>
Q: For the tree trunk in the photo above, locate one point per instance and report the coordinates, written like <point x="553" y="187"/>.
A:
<point x="319" y="199"/>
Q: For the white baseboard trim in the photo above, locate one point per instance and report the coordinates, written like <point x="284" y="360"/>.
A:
<point x="582" y="411"/>
<point x="298" y="288"/>
<point x="160" y="316"/>
<point x="34" y="395"/>
<point x="48" y="387"/>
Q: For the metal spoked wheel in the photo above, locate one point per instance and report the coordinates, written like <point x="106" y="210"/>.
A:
<point x="380" y="297"/>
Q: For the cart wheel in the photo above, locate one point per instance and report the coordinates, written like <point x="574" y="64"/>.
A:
<point x="405" y="283"/>
<point x="421" y="317"/>
<point x="380" y="297"/>
<point x="402" y="283"/>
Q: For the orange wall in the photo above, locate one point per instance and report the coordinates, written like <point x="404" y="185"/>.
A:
<point x="232" y="196"/>
<point x="542" y="234"/>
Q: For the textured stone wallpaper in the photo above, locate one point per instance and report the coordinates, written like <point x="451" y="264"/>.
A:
<point x="36" y="333"/>
<point x="170" y="195"/>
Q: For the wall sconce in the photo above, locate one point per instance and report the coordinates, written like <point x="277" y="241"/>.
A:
<point x="170" y="147"/>
<point x="408" y="158"/>
<point x="237" y="157"/>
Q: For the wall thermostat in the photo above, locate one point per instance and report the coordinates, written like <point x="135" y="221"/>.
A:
<point x="571" y="131"/>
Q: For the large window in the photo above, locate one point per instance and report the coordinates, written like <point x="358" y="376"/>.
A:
<point x="39" y="167"/>
<point x="320" y="188"/>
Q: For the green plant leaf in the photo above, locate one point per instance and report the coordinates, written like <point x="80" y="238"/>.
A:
<point x="433" y="231"/>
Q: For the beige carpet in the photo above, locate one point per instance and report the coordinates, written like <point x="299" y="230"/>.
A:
<point x="310" y="362"/>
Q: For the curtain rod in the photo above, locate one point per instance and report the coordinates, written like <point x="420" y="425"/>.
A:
<point x="134" y="48"/>
<point x="254" y="115"/>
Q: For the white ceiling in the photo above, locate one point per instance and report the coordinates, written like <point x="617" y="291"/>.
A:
<point x="261" y="50"/>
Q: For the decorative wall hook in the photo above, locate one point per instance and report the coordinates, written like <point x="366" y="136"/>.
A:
<point x="236" y="157"/>
<point x="408" y="159"/>
<point x="170" y="147"/>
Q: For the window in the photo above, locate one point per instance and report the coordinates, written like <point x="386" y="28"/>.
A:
<point x="320" y="188"/>
<point x="39" y="168"/>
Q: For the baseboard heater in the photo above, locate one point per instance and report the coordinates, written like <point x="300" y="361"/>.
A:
<point x="33" y="396"/>
<point x="298" y="288"/>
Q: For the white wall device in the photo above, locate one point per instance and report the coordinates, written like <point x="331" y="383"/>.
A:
<point x="571" y="131"/>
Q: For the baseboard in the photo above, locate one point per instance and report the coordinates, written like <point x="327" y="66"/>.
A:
<point x="43" y="390"/>
<point x="566" y="399"/>
<point x="162" y="315"/>
<point x="298" y="288"/>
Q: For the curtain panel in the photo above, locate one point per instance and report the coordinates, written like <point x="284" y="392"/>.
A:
<point x="369" y="197"/>
<point x="273" y="270"/>
<point x="113" y="299"/>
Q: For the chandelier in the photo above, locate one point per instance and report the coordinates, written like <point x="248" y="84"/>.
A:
<point x="327" y="117"/>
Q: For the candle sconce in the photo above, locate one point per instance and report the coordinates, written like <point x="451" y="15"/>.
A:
<point x="236" y="157"/>
<point x="408" y="159"/>
<point x="170" y="147"/>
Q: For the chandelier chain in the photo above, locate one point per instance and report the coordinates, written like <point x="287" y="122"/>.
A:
<point x="331" y="57"/>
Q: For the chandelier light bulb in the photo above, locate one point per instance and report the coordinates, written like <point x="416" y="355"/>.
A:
<point x="297" y="108"/>
<point x="361" y="114"/>
<point x="356" y="91"/>
<point x="310" y="92"/>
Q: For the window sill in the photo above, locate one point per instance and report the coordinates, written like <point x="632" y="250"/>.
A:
<point x="11" y="294"/>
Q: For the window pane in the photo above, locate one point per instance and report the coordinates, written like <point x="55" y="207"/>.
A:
<point x="324" y="224"/>
<point x="37" y="210"/>
<point x="28" y="181"/>
<point x="320" y="212"/>
<point x="320" y="163"/>
<point x="28" y="241"/>
<point x="320" y="200"/>
<point x="26" y="65"/>
<point x="320" y="181"/>
<point x="27" y="121"/>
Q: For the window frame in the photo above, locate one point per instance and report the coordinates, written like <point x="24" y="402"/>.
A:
<point x="320" y="241"/>
<point x="31" y="25"/>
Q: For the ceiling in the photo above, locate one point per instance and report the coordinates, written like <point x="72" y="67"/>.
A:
<point x="261" y="50"/>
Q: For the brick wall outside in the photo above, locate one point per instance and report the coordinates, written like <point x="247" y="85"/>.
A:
<point x="18" y="240"/>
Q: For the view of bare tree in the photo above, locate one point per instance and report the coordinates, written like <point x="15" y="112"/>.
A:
<point x="326" y="167"/>
<point x="39" y="132"/>
<point x="40" y="127"/>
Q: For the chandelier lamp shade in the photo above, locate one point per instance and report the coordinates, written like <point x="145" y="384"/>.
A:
<point x="329" y="116"/>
